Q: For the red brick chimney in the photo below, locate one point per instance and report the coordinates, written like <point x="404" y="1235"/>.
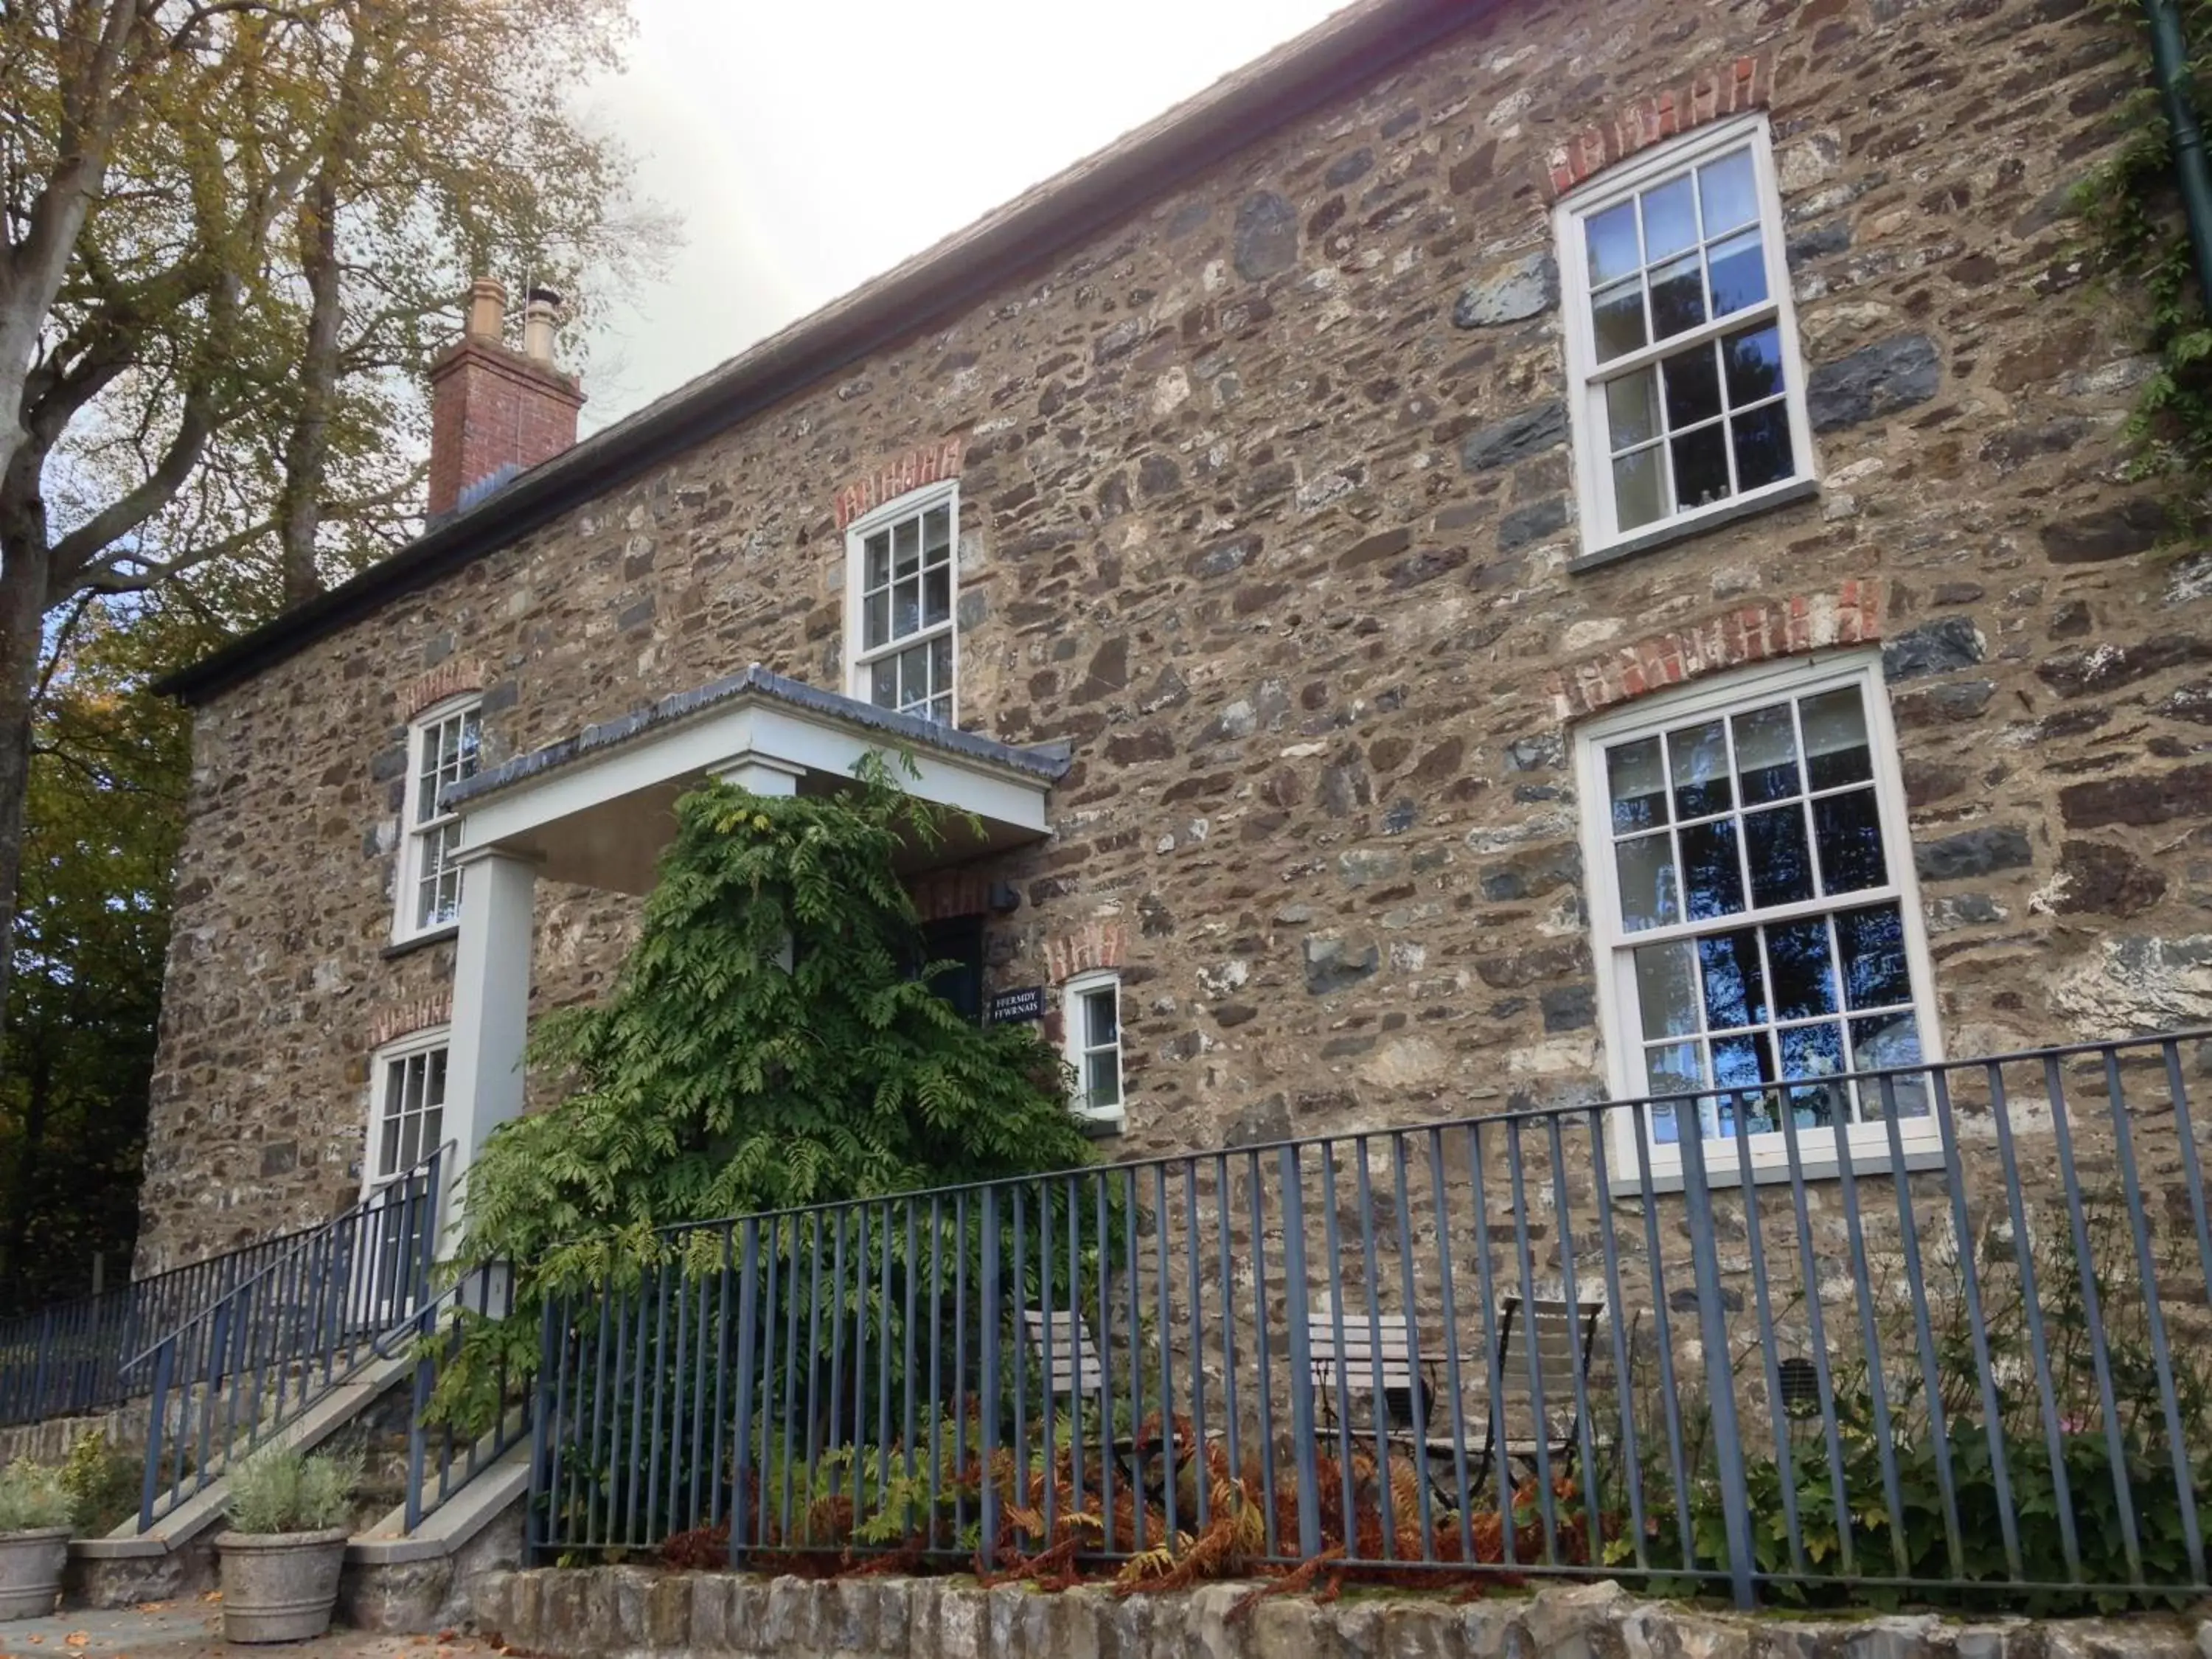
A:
<point x="494" y="411"/>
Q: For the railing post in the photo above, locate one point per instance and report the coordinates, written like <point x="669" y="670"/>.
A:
<point x="1720" y="1376"/>
<point x="988" y="1304"/>
<point x="748" y="1315"/>
<point x="165" y="1361"/>
<point x="1301" y="1396"/>
<point x="425" y="1379"/>
<point x="537" y="1508"/>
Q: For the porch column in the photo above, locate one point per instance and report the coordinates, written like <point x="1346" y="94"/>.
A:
<point x="491" y="1006"/>
<point x="758" y="774"/>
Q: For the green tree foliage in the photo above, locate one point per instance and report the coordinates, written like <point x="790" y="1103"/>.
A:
<point x="108" y="773"/>
<point x="715" y="1081"/>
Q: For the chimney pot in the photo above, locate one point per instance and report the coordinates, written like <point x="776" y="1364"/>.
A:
<point x="487" y="309"/>
<point x="537" y="322"/>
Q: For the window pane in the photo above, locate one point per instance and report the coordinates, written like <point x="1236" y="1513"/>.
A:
<point x="1873" y="943"/>
<point x="1640" y="488"/>
<point x="387" y="1145"/>
<point x="937" y="596"/>
<point x="906" y="607"/>
<point x="1638" y="786"/>
<point x="434" y="1126"/>
<point x="1631" y="408"/>
<point x="1726" y="189"/>
<point x="1781" y="864"/>
<point x="914" y="675"/>
<point x="1766" y="754"/>
<point x="1762" y="447"/>
<point x="434" y="1087"/>
<point x="1611" y="238"/>
<point x="1693" y="388"/>
<point x="1698" y="757"/>
<point x="940" y="664"/>
<point x="1678" y="297"/>
<point x="879" y="558"/>
<point x="1836" y="750"/>
<point x="1744" y="1062"/>
<point x="1804" y="978"/>
<point x="1617" y="320"/>
<point x="883" y="683"/>
<point x="1670" y="219"/>
<point x="876" y="619"/>
<point x="1667" y="990"/>
<point x="906" y="548"/>
<point x="1847" y="828"/>
<point x="1701" y="474"/>
<point x="471" y="742"/>
<point x="1883" y="1041"/>
<point x="1100" y="1025"/>
<point x="940" y="710"/>
<point x="937" y="536"/>
<point x="1646" y="867"/>
<point x="1672" y="1070"/>
<point x="1739" y="273"/>
<point x="1103" y="1084"/>
<point x="1810" y="1051"/>
<point x="1754" y="359"/>
<point x="1735" y="984"/>
<point x="1710" y="874"/>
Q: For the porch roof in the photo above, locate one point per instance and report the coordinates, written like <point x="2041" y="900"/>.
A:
<point x="598" y="807"/>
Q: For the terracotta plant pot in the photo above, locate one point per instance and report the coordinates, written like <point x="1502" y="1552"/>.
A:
<point x="280" y="1587"/>
<point x="31" y="1572"/>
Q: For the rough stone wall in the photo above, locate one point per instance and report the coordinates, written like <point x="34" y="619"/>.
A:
<point x="627" y="1612"/>
<point x="1267" y="504"/>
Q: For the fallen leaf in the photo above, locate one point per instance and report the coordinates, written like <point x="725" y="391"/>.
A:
<point x="77" y="1638"/>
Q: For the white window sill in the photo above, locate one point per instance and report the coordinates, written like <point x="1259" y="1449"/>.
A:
<point x="1099" y="1124"/>
<point x="1786" y="494"/>
<point x="1721" y="1168"/>
<point x="423" y="941"/>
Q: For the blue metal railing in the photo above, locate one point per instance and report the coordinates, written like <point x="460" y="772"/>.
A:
<point x="68" y="1360"/>
<point x="1936" y="1328"/>
<point x="441" y="1459"/>
<point x="239" y="1372"/>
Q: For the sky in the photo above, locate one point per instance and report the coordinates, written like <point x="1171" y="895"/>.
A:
<point x="807" y="145"/>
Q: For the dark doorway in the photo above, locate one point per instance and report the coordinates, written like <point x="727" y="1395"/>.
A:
<point x="957" y="941"/>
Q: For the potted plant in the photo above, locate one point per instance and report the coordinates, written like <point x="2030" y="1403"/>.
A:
<point x="290" y="1515"/>
<point x="37" y="1515"/>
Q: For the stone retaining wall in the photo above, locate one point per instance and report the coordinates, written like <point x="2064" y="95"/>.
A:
<point x="629" y="1612"/>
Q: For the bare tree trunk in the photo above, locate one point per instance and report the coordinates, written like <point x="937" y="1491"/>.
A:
<point x="307" y="448"/>
<point x="23" y="567"/>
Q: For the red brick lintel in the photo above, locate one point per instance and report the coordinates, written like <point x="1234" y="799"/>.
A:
<point x="396" y="1023"/>
<point x="1853" y="615"/>
<point x="447" y="679"/>
<point x="1729" y="88"/>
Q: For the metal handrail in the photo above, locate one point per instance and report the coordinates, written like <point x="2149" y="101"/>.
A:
<point x="66" y="1359"/>
<point x="247" y="1366"/>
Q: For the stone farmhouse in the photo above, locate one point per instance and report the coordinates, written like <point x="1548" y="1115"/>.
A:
<point x="1515" y="551"/>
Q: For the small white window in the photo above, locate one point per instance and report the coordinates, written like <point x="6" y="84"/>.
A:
<point x="1091" y="1006"/>
<point x="1688" y="397"/>
<point x="443" y="747"/>
<point x="1756" y="922"/>
<point x="899" y="593"/>
<point x="407" y="1107"/>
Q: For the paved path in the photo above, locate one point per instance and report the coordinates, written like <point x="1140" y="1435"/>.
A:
<point x="193" y="1630"/>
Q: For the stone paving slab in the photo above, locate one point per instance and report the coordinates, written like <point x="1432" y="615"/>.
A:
<point x="193" y="1630"/>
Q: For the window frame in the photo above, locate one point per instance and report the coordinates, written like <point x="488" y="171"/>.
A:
<point x="1602" y="540"/>
<point x="413" y="836"/>
<point x="430" y="1039"/>
<point x="859" y="659"/>
<point x="1075" y="1050"/>
<point x="1613" y="947"/>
